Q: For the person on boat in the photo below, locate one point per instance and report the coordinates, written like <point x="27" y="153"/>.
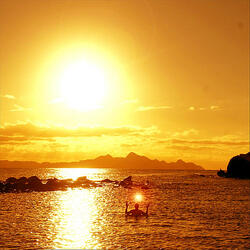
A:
<point x="136" y="212"/>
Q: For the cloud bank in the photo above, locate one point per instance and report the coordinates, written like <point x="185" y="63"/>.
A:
<point x="32" y="130"/>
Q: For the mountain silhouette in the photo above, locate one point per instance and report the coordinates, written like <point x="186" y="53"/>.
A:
<point x="131" y="161"/>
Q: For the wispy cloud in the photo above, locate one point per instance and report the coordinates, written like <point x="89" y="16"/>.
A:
<point x="215" y="108"/>
<point x="211" y="108"/>
<point x="205" y="142"/>
<point x="8" y="96"/>
<point x="31" y="130"/>
<point x="149" y="108"/>
<point x="187" y="132"/>
<point x="128" y="145"/>
<point x="15" y="143"/>
<point x="22" y="138"/>
<point x="18" y="108"/>
<point x="188" y="148"/>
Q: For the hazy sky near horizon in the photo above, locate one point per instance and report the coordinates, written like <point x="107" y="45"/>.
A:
<point x="166" y="79"/>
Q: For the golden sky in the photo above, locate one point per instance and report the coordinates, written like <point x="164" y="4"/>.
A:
<point x="167" y="79"/>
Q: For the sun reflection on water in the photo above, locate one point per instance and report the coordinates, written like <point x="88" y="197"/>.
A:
<point x="74" y="219"/>
<point x="76" y="211"/>
<point x="74" y="173"/>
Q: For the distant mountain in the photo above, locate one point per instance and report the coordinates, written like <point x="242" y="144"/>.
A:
<point x="131" y="161"/>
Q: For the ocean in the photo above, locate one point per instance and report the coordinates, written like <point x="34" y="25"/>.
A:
<point x="188" y="210"/>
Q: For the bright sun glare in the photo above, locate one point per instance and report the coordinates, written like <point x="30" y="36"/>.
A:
<point x="138" y="197"/>
<point x="83" y="86"/>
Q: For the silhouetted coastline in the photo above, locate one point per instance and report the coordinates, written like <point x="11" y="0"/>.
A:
<point x="131" y="161"/>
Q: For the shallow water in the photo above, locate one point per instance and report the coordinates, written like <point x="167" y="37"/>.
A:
<point x="187" y="210"/>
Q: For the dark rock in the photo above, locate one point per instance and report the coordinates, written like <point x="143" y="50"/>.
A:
<point x="128" y="179"/>
<point x="19" y="187"/>
<point x="82" y="179"/>
<point x="66" y="183"/>
<point x="34" y="183"/>
<point x="11" y="180"/>
<point x="1" y="187"/>
<point x="34" y="179"/>
<point x="94" y="184"/>
<point x="238" y="167"/>
<point x="55" y="184"/>
<point x="221" y="173"/>
<point x="23" y="180"/>
<point x="107" y="181"/>
<point x="84" y="182"/>
<point x="127" y="182"/>
<point x="52" y="183"/>
<point x="8" y="188"/>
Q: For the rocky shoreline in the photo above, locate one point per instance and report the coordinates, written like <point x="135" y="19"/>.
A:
<point x="33" y="183"/>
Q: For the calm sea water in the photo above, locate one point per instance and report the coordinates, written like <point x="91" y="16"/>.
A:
<point x="188" y="210"/>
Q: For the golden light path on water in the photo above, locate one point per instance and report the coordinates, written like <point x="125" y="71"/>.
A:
<point x="74" y="173"/>
<point x="76" y="213"/>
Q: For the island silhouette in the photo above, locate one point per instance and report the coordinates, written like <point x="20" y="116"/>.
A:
<point x="131" y="161"/>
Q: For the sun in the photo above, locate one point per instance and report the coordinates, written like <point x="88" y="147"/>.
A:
<point x="83" y="86"/>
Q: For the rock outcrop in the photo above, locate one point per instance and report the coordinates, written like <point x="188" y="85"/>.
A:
<point x="34" y="184"/>
<point x="238" y="167"/>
